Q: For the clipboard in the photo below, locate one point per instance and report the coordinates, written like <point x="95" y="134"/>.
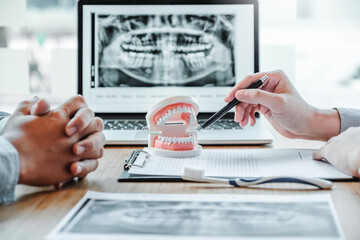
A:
<point x="134" y="160"/>
<point x="125" y="176"/>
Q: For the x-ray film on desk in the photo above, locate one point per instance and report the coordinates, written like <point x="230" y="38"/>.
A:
<point x="196" y="216"/>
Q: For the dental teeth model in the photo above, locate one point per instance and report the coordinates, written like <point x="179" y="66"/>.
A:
<point x="172" y="127"/>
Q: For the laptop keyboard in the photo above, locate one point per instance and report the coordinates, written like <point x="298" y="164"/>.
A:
<point x="221" y="124"/>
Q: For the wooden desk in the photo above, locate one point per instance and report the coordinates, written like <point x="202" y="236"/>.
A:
<point x="38" y="210"/>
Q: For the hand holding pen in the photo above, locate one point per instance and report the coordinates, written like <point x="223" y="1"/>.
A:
<point x="231" y="104"/>
<point x="283" y="107"/>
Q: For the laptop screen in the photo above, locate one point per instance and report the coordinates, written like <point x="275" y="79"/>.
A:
<point x="135" y="55"/>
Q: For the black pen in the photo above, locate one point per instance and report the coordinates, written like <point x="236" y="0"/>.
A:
<point x="230" y="105"/>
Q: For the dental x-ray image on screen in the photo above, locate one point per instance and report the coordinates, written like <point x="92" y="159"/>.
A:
<point x="166" y="50"/>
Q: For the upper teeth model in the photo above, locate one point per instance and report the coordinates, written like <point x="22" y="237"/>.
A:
<point x="172" y="127"/>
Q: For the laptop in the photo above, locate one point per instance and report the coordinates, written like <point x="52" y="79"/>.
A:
<point x="132" y="54"/>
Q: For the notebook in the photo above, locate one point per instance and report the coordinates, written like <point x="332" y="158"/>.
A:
<point x="134" y="53"/>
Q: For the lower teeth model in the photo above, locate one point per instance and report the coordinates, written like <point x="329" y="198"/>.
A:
<point x="172" y="127"/>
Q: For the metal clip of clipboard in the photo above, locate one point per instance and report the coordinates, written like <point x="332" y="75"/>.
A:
<point x="133" y="157"/>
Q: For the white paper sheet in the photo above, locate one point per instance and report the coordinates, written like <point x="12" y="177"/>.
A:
<point x="243" y="163"/>
<point x="199" y="216"/>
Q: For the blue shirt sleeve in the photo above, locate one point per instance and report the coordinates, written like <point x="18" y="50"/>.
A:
<point x="349" y="118"/>
<point x="9" y="171"/>
<point x="9" y="166"/>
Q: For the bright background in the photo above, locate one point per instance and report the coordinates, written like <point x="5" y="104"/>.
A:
<point x="316" y="42"/>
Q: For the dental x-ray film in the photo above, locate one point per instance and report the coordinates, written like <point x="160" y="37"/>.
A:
<point x="158" y="50"/>
<point x="132" y="56"/>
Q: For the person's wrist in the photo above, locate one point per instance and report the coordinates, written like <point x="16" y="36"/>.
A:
<point x="324" y="124"/>
<point x="23" y="169"/>
<point x="23" y="173"/>
<point x="20" y="158"/>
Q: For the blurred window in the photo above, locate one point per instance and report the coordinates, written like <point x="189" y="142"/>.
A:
<point x="325" y="34"/>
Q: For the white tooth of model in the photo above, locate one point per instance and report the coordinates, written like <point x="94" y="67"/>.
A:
<point x="192" y="139"/>
<point x="191" y="120"/>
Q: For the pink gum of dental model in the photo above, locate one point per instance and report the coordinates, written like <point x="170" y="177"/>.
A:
<point x="172" y="127"/>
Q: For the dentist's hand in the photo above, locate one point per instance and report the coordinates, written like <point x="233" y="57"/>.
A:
<point x="281" y="104"/>
<point x="343" y="151"/>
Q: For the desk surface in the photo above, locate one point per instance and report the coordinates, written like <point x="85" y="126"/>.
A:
<point x="38" y="210"/>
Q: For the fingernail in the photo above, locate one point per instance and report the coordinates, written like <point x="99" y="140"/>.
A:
<point x="71" y="131"/>
<point x="35" y="99"/>
<point x="78" y="170"/>
<point x="80" y="150"/>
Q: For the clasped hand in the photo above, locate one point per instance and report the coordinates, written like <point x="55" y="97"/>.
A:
<point x="57" y="145"/>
